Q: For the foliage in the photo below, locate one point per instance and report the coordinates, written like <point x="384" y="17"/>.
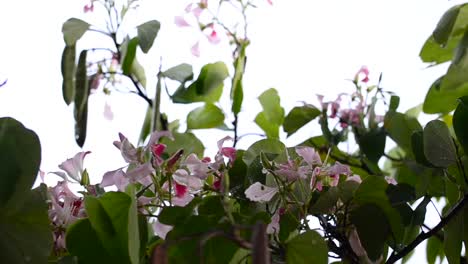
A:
<point x="170" y="202"/>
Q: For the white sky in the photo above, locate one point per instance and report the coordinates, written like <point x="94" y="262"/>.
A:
<point x="300" y="47"/>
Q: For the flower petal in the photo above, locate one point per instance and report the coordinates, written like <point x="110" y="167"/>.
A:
<point x="181" y="22"/>
<point x="196" y="49"/>
<point x="258" y="192"/>
<point x="309" y="155"/>
<point x="74" y="166"/>
<point x="161" y="230"/>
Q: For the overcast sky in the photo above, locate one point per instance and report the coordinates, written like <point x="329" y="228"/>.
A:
<point x="300" y="47"/>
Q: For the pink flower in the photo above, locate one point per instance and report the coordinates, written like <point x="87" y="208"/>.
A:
<point x="363" y="71"/>
<point x="309" y="155"/>
<point x="157" y="150"/>
<point x="198" y="168"/>
<point x="128" y="151"/>
<point x="274" y="226"/>
<point x="161" y="230"/>
<point x="270" y="2"/>
<point x="88" y="7"/>
<point x="73" y="167"/>
<point x="213" y="37"/>
<point x="181" y="22"/>
<point x="108" y="114"/>
<point x="182" y="177"/>
<point x="228" y="152"/>
<point x="117" y="178"/>
<point x="180" y="190"/>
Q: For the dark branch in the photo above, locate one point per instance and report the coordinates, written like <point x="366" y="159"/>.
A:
<point x="423" y="236"/>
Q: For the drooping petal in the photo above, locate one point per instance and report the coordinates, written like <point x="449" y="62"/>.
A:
<point x="274" y="226"/>
<point x="339" y="169"/>
<point x="74" y="166"/>
<point x="309" y="155"/>
<point x="181" y="22"/>
<point x="258" y="192"/>
<point x="139" y="172"/>
<point x="196" y="49"/>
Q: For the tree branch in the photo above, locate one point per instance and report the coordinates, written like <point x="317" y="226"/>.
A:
<point x="423" y="236"/>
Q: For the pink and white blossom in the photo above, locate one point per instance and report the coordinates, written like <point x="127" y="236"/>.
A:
<point x="258" y="192"/>
<point x="197" y="167"/>
<point x="161" y="230"/>
<point x="73" y="167"/>
<point x="309" y="155"/>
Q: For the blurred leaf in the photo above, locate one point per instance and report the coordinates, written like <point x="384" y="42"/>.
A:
<point x="434" y="249"/>
<point x="419" y="214"/>
<point x="147" y="32"/>
<point x="400" y="193"/>
<point x="326" y="202"/>
<point x="417" y="145"/>
<point x="186" y="141"/>
<point x="176" y="215"/>
<point x="146" y="127"/>
<point x="267" y="146"/>
<point x="400" y="127"/>
<point x="20" y="157"/>
<point x="130" y="53"/>
<point x="139" y="72"/>
<point x="439" y="148"/>
<point x="207" y="116"/>
<point x="114" y="218"/>
<point x="435" y="53"/>
<point x="438" y="101"/>
<point x="25" y="234"/>
<point x="460" y="124"/>
<point x="83" y="241"/>
<point x="414" y="111"/>
<point x="373" y="231"/>
<point x="346" y="190"/>
<point x="272" y="116"/>
<point x="456" y="73"/>
<point x="211" y="76"/>
<point x="68" y="73"/>
<point x="445" y="25"/>
<point x="453" y="238"/>
<point x="81" y="122"/>
<point x="82" y="83"/>
<point x="73" y="29"/>
<point x="288" y="224"/>
<point x="298" y="117"/>
<point x="237" y="90"/>
<point x="237" y="175"/>
<point x="394" y="102"/>
<point x="181" y="73"/>
<point x="372" y="144"/>
<point x="308" y="247"/>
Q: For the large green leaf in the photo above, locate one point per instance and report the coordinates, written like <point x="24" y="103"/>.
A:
<point x="445" y="26"/>
<point x="460" y="124"/>
<point x="68" y="73"/>
<point x="207" y="116"/>
<point x="400" y="127"/>
<point x="81" y="123"/>
<point x="326" y="202"/>
<point x="114" y="218"/>
<point x="181" y="73"/>
<point x="438" y="101"/>
<point x="417" y="146"/>
<point x="434" y="249"/>
<point x="83" y="241"/>
<point x="25" y="235"/>
<point x="308" y="247"/>
<point x="139" y="72"/>
<point x="439" y="148"/>
<point x="237" y="90"/>
<point x="433" y="52"/>
<point x="372" y="144"/>
<point x="272" y="116"/>
<point x="186" y="141"/>
<point x="267" y="146"/>
<point x="73" y="29"/>
<point x="373" y="231"/>
<point x="456" y="73"/>
<point x="147" y="32"/>
<point x="453" y="238"/>
<point x="20" y="157"/>
<point x="82" y="83"/>
<point x="130" y="54"/>
<point x="298" y="117"/>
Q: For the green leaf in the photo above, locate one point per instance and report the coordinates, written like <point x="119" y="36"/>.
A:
<point x="68" y="73"/>
<point x="83" y="241"/>
<point x="237" y="90"/>
<point x="181" y="73"/>
<point x="436" y="53"/>
<point x="438" y="101"/>
<point x="73" y="29"/>
<point x="211" y="77"/>
<point x="373" y="231"/>
<point x="460" y="124"/>
<point x="147" y="32"/>
<point x="298" y="117"/>
<point x="129" y="56"/>
<point x="114" y="218"/>
<point x="439" y="148"/>
<point x="186" y="141"/>
<point x="394" y="102"/>
<point x="139" y="72"/>
<point x="346" y="190"/>
<point x="288" y="224"/>
<point x="177" y="215"/>
<point x="207" y="116"/>
<point x="272" y="116"/>
<point x="453" y="237"/>
<point x="146" y="126"/>
<point x="81" y="122"/>
<point x="420" y="212"/>
<point x="372" y="144"/>
<point x="417" y="146"/>
<point x="434" y="249"/>
<point x="82" y="83"/>
<point x="400" y="128"/>
<point x="25" y="235"/>
<point x="308" y="247"/>
<point x="445" y="25"/>
<point x="267" y="146"/>
<point x="237" y="175"/>
<point x="20" y="157"/>
<point x="326" y="202"/>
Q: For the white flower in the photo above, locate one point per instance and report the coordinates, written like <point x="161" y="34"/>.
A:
<point x="258" y="192"/>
